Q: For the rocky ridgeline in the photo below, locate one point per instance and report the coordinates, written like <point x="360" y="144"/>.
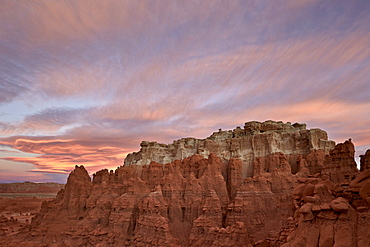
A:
<point x="299" y="190"/>
<point x="255" y="140"/>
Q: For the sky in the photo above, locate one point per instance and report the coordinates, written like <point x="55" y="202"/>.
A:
<point x="84" y="82"/>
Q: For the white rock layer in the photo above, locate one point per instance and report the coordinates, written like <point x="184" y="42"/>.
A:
<point x="255" y="140"/>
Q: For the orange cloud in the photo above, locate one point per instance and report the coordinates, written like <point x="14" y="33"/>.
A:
<point x="61" y="155"/>
<point x="64" y="163"/>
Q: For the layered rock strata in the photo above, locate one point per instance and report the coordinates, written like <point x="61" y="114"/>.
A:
<point x="293" y="196"/>
<point x="183" y="203"/>
<point x="255" y="140"/>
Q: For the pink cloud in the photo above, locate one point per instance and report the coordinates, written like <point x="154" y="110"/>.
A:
<point x="95" y="79"/>
<point x="61" y="157"/>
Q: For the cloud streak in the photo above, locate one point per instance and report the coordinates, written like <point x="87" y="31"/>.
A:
<point x="85" y="83"/>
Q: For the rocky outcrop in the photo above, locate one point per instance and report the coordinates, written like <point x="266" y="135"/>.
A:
<point x="183" y="203"/>
<point x="340" y="165"/>
<point x="255" y="140"/>
<point x="328" y="215"/>
<point x="299" y="190"/>
<point x="268" y="190"/>
<point x="332" y="209"/>
<point x="361" y="184"/>
<point x="365" y="161"/>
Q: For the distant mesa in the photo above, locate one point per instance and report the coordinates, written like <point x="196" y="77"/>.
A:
<point x="255" y="140"/>
<point x="29" y="187"/>
<point x="267" y="184"/>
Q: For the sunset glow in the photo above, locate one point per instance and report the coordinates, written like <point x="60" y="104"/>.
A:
<point x="84" y="82"/>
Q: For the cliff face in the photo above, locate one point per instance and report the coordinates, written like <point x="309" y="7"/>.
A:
<point x="255" y="140"/>
<point x="301" y="191"/>
<point x="333" y="210"/>
<point x="183" y="203"/>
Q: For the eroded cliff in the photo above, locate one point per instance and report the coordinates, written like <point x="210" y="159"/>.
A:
<point x="332" y="208"/>
<point x="255" y="140"/>
<point x="300" y="190"/>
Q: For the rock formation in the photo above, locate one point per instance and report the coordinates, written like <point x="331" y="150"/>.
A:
<point x="253" y="141"/>
<point x="332" y="208"/>
<point x="176" y="204"/>
<point x="269" y="184"/>
<point x="365" y="161"/>
<point x="340" y="165"/>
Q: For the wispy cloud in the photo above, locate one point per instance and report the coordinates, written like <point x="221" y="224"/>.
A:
<point x="87" y="82"/>
<point x="60" y="156"/>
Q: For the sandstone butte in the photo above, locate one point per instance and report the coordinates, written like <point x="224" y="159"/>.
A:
<point x="267" y="184"/>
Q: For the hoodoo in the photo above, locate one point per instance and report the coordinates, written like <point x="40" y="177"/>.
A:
<point x="267" y="184"/>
